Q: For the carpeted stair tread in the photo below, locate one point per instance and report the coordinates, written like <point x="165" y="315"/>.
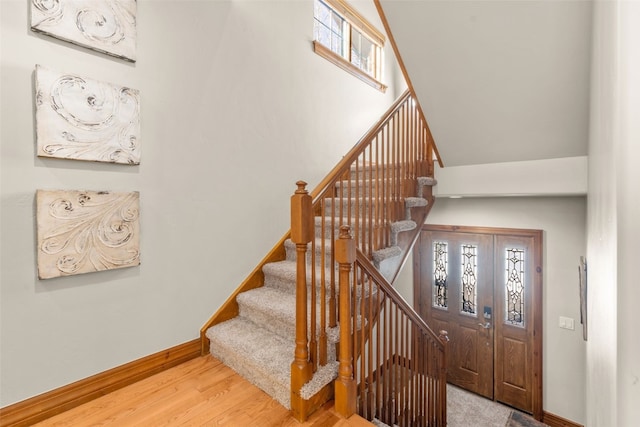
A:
<point x="336" y="223"/>
<point x="260" y="356"/>
<point x="328" y="231"/>
<point x="271" y="307"/>
<point x="405" y="225"/>
<point x="323" y="376"/>
<point x="364" y="186"/>
<point x="290" y="250"/>
<point x="415" y="202"/>
<point x="386" y="253"/>
<point x="274" y="309"/>
<point x="282" y="275"/>
<point x="427" y="181"/>
<point x="399" y="227"/>
<point x="363" y="204"/>
<point x="368" y="166"/>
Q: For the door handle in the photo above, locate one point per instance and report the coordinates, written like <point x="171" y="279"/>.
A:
<point x="485" y="325"/>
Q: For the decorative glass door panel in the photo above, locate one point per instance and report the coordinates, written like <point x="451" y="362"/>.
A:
<point x="460" y="275"/>
<point x="514" y="331"/>
<point x="484" y="287"/>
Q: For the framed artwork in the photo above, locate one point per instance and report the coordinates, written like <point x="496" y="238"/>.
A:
<point x="85" y="119"/>
<point x="107" y="26"/>
<point x="86" y="231"/>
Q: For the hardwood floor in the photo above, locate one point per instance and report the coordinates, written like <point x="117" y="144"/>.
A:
<point x="201" y="392"/>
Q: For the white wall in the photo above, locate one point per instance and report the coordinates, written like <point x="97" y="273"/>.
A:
<point x="235" y="108"/>
<point x="602" y="222"/>
<point x="565" y="176"/>
<point x="563" y="220"/>
<point x="613" y="351"/>
<point x="628" y="179"/>
<point x="499" y="80"/>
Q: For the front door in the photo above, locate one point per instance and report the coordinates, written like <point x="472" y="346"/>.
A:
<point x="483" y="286"/>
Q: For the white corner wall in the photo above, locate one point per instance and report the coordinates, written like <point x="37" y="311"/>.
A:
<point x="235" y="107"/>
<point x="613" y="350"/>
<point x="628" y="179"/>
<point x="563" y="220"/>
<point x="601" y="369"/>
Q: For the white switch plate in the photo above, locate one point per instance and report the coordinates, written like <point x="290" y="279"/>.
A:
<point x="566" y="323"/>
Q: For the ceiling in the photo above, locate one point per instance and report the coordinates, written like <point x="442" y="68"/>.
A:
<point x="499" y="81"/>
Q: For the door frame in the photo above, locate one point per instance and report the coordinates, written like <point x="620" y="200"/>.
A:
<point x="537" y="281"/>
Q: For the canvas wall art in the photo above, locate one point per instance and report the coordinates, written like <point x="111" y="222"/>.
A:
<point x="85" y="119"/>
<point x="86" y="231"/>
<point x="107" y="26"/>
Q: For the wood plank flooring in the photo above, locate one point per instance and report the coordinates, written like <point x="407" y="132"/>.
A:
<point x="201" y="392"/>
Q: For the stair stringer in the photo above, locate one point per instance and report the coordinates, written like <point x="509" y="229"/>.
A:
<point x="230" y="309"/>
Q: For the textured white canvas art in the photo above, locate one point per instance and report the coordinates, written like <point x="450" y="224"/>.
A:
<point x="85" y="119"/>
<point x="86" y="231"/>
<point x="107" y="26"/>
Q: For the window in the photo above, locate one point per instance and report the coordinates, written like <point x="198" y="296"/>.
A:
<point x="346" y="39"/>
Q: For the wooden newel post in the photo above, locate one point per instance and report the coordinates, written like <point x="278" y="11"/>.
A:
<point x="301" y="235"/>
<point x="345" y="391"/>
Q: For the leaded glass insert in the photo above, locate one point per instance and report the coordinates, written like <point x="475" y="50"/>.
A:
<point x="515" y="287"/>
<point x="469" y="288"/>
<point x="440" y="271"/>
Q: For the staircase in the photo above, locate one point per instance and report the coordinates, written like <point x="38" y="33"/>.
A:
<point x="259" y="343"/>
<point x="305" y="316"/>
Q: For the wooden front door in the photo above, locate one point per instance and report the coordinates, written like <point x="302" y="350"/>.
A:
<point x="484" y="287"/>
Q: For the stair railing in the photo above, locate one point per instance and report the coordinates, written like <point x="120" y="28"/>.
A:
<point x="365" y="192"/>
<point x="398" y="363"/>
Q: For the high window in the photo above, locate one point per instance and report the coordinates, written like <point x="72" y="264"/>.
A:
<point x="344" y="37"/>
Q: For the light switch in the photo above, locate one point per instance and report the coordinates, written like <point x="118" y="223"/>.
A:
<point x="566" y="323"/>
